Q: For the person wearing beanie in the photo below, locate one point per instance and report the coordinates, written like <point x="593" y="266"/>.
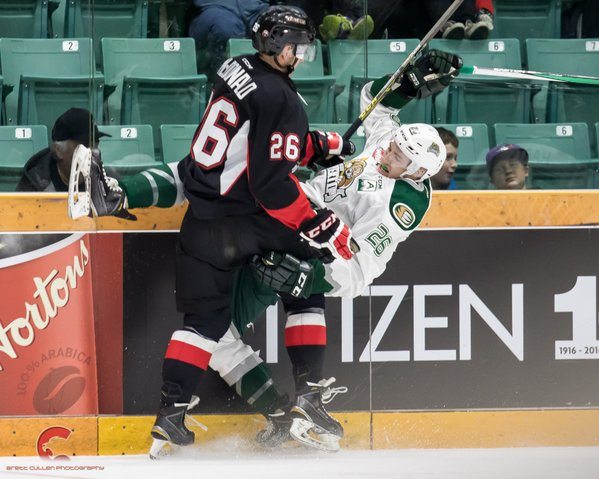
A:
<point x="507" y="165"/>
<point x="49" y="169"/>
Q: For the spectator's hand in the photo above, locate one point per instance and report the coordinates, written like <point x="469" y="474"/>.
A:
<point x="328" y="236"/>
<point x="430" y="74"/>
<point x="329" y="148"/>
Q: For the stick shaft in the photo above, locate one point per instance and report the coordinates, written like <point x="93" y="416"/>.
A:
<point x="529" y="75"/>
<point x="387" y="88"/>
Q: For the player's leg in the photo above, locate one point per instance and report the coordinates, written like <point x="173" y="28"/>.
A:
<point x="305" y="340"/>
<point x="203" y="293"/>
<point x="243" y="369"/>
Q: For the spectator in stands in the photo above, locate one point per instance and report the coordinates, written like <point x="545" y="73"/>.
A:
<point x="507" y="165"/>
<point x="580" y="19"/>
<point x="444" y="180"/>
<point x="49" y="169"/>
<point x="216" y="21"/>
<point x="473" y="20"/>
<point x="337" y="19"/>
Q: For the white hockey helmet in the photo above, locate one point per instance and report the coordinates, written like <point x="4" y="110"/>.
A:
<point x="422" y="144"/>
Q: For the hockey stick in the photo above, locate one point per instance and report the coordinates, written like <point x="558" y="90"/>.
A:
<point x="528" y="75"/>
<point x="388" y="86"/>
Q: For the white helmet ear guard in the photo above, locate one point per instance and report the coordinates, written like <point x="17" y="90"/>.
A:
<point x="422" y="144"/>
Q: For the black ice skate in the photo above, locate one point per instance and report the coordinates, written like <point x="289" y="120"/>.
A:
<point x="277" y="429"/>
<point x="107" y="197"/>
<point x="169" y="431"/>
<point x="312" y="425"/>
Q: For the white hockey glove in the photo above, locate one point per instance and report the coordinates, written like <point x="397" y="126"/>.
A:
<point x="328" y="236"/>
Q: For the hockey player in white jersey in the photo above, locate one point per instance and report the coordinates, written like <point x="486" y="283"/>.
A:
<point x="382" y="194"/>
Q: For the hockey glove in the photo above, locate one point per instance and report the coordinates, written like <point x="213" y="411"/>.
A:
<point x="283" y="273"/>
<point x="430" y="74"/>
<point x="328" y="236"/>
<point x="328" y="148"/>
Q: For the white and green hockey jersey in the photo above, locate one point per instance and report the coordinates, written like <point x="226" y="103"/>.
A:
<point x="381" y="212"/>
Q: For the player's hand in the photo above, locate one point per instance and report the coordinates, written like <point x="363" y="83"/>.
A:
<point x="328" y="236"/>
<point x="283" y="273"/>
<point x="429" y="74"/>
<point x="329" y="148"/>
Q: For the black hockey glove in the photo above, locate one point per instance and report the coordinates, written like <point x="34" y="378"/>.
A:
<point x="329" y="148"/>
<point x="429" y="74"/>
<point x="283" y="273"/>
<point x="328" y="236"/>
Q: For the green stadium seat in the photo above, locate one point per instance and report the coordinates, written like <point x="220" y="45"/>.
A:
<point x="471" y="172"/>
<point x="176" y="141"/>
<point x="595" y="144"/>
<point x="548" y="143"/>
<point x="316" y="88"/>
<point x="53" y="63"/>
<point x="358" y="138"/>
<point x="17" y="145"/>
<point x="560" y="102"/>
<point x="155" y="80"/>
<point x="129" y="150"/>
<point x="475" y="99"/>
<point x="111" y="18"/>
<point x="347" y="64"/>
<point x="583" y="174"/>
<point x="106" y="18"/>
<point x="524" y="19"/>
<point x="42" y="100"/>
<point x="26" y="18"/>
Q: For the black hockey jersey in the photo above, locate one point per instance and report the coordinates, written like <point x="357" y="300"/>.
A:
<point x="251" y="136"/>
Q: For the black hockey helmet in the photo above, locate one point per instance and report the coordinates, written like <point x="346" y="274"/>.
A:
<point x="281" y="25"/>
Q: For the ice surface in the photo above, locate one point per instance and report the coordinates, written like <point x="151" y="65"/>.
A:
<point x="225" y="460"/>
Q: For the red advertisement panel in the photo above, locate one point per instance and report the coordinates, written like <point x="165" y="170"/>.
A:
<point x="47" y="353"/>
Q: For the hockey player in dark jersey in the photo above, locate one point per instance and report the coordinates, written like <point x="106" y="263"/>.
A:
<point x="435" y="64"/>
<point x="243" y="200"/>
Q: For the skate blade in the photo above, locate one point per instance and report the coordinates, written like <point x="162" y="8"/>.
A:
<point x="303" y="431"/>
<point x="79" y="201"/>
<point x="161" y="449"/>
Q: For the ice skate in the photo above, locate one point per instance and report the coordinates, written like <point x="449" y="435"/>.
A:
<point x="91" y="190"/>
<point x="277" y="429"/>
<point x="312" y="425"/>
<point x="170" y="431"/>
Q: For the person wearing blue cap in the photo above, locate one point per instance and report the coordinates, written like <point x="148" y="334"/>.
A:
<point x="507" y="165"/>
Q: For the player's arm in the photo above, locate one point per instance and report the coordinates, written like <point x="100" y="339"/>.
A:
<point x="159" y="186"/>
<point x="428" y="75"/>
<point x="275" y="146"/>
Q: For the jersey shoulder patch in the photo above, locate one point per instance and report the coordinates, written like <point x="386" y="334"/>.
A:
<point x="409" y="203"/>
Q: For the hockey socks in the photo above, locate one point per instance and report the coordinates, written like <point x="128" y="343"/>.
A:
<point x="186" y="358"/>
<point x="305" y="339"/>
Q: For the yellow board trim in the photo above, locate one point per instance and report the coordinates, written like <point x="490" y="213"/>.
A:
<point x="117" y="435"/>
<point x="449" y="209"/>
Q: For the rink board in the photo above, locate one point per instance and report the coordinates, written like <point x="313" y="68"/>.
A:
<point x="116" y="435"/>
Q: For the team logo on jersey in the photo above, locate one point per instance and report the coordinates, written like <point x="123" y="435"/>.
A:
<point x="367" y="184"/>
<point x="342" y="177"/>
<point x="404" y="215"/>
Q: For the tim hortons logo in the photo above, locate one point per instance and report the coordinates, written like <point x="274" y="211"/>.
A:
<point x="53" y="293"/>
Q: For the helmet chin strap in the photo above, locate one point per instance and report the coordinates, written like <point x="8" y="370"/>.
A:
<point x="289" y="68"/>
